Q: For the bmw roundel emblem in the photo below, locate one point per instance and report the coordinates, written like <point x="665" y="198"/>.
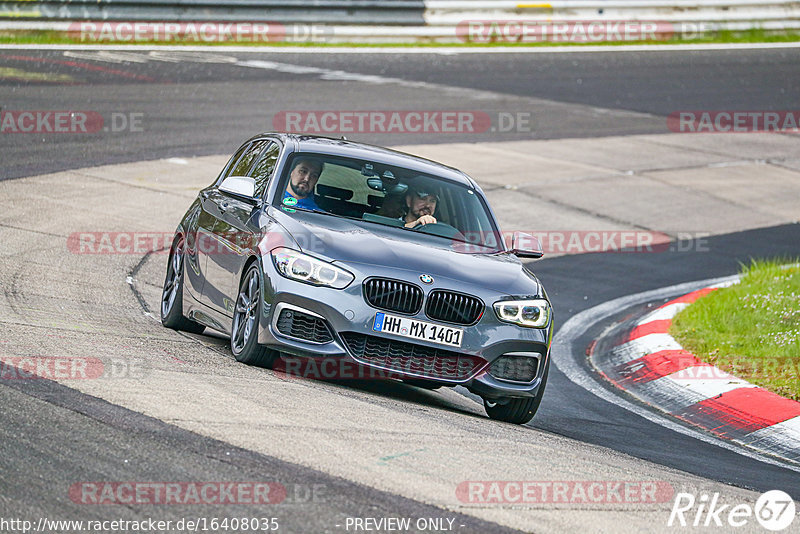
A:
<point x="426" y="278"/>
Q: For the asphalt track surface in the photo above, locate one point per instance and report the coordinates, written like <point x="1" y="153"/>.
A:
<point x="204" y="104"/>
<point x="53" y="436"/>
<point x="615" y="275"/>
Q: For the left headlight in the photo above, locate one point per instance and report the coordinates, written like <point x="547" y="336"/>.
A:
<point x="533" y="313"/>
<point x="304" y="268"/>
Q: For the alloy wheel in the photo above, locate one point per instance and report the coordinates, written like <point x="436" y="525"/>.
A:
<point x="244" y="317"/>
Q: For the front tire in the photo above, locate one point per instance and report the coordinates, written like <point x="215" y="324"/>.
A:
<point x="172" y="294"/>
<point x="517" y="410"/>
<point x="244" y="332"/>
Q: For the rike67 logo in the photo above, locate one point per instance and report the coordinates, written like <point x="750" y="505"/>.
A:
<point x="774" y="510"/>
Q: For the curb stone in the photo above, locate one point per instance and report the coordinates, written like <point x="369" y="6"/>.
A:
<point x="648" y="363"/>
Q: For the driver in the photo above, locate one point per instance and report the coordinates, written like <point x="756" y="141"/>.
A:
<point x="420" y="207"/>
<point x="303" y="179"/>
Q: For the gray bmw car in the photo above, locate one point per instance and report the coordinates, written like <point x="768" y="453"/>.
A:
<point x="324" y="249"/>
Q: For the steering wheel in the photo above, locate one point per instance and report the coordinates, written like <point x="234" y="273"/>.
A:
<point x="439" y="229"/>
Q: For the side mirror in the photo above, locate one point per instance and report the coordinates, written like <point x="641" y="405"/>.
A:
<point x="241" y="186"/>
<point x="525" y="245"/>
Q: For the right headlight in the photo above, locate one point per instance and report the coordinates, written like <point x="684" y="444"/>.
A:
<point x="533" y="313"/>
<point x="304" y="268"/>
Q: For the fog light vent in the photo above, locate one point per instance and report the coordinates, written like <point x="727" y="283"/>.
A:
<point x="516" y="367"/>
<point x="295" y="323"/>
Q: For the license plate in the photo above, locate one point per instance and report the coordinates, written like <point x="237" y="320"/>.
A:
<point x="411" y="328"/>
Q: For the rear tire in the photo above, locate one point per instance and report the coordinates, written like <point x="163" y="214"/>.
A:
<point x="246" y="314"/>
<point x="172" y="294"/>
<point x="517" y="410"/>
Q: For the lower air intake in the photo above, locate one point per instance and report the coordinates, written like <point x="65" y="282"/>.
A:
<point x="516" y="368"/>
<point x="412" y="359"/>
<point x="296" y="324"/>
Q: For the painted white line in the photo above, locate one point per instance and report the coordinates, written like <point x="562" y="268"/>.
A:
<point x="445" y="50"/>
<point x="182" y="55"/>
<point x="340" y="75"/>
<point x="108" y="56"/>
<point x="566" y="354"/>
<point x="665" y="312"/>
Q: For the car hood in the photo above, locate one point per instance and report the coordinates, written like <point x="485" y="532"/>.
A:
<point x="346" y="241"/>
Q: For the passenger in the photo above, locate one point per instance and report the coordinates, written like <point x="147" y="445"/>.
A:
<point x="302" y="181"/>
<point x="420" y="207"/>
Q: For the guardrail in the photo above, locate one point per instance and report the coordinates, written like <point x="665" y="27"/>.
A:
<point x="503" y="20"/>
<point x="374" y="12"/>
<point x="451" y="12"/>
<point x="441" y="21"/>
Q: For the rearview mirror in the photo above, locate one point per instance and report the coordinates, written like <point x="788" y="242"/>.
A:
<point x="387" y="184"/>
<point x="525" y="245"/>
<point x="241" y="186"/>
<point x="375" y="183"/>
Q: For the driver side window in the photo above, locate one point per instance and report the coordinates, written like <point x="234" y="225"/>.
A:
<point x="262" y="172"/>
<point x="231" y="164"/>
<point x="243" y="165"/>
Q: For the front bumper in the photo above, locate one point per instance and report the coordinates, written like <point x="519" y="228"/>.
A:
<point x="349" y="317"/>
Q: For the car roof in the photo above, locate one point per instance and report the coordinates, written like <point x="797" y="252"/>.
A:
<point x="343" y="147"/>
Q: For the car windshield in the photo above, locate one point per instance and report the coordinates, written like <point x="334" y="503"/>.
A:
<point x="391" y="196"/>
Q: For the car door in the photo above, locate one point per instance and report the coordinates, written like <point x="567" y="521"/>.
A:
<point x="194" y="270"/>
<point x="200" y="233"/>
<point x="233" y="234"/>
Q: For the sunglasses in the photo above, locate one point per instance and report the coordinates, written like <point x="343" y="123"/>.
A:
<point x="425" y="194"/>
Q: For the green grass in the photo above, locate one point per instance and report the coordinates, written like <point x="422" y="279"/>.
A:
<point x="751" y="329"/>
<point x="719" y="37"/>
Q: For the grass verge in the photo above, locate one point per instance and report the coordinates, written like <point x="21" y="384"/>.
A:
<point x="53" y="37"/>
<point x="751" y="329"/>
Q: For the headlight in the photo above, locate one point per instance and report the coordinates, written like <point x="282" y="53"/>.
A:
<point x="534" y="313"/>
<point x="304" y="268"/>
